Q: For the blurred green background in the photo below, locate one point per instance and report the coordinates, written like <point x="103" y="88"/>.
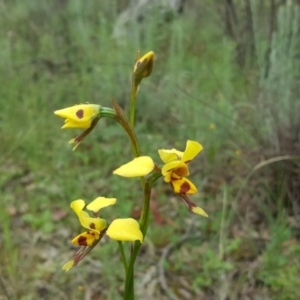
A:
<point x="226" y="73"/>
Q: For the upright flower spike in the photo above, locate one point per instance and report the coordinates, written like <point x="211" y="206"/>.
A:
<point x="84" y="116"/>
<point x="120" y="229"/>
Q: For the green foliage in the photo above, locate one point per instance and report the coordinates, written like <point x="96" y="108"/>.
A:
<point x="54" y="54"/>
<point x="280" y="269"/>
<point x="213" y="269"/>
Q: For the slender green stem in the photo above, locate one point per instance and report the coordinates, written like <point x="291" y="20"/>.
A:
<point x="144" y="222"/>
<point x="135" y="144"/>
<point x="146" y="186"/>
<point x="132" y="102"/>
<point x="129" y="283"/>
<point x="123" y="257"/>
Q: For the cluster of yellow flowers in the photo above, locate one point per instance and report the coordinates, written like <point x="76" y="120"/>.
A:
<point x="119" y="230"/>
<point x="174" y="170"/>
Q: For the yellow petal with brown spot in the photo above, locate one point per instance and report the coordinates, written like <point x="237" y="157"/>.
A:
<point x="94" y="224"/>
<point x="183" y="186"/>
<point x="86" y="238"/>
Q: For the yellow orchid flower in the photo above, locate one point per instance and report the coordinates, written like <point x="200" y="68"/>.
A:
<point x="79" y="116"/>
<point x="176" y="168"/>
<point x="84" y="116"/>
<point x="174" y="171"/>
<point x="120" y="229"/>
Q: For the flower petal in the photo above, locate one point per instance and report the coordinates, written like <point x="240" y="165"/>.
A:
<point x="100" y="202"/>
<point x="86" y="238"/>
<point x="72" y="124"/>
<point x="79" y="113"/>
<point x="77" y="206"/>
<point x="66" y="267"/>
<point x="183" y="186"/>
<point x="95" y="224"/>
<point x="127" y="230"/>
<point x="199" y="211"/>
<point x="171" y="166"/>
<point x="139" y="166"/>
<point x="191" y="150"/>
<point x="192" y="206"/>
<point x="169" y="155"/>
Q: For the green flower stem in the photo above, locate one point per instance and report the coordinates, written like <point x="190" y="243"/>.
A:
<point x="144" y="222"/>
<point x="135" y="145"/>
<point x="123" y="257"/>
<point x="146" y="186"/>
<point x="129" y="283"/>
<point x="107" y="112"/>
<point x="134" y="89"/>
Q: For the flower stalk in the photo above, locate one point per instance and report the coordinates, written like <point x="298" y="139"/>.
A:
<point x="174" y="172"/>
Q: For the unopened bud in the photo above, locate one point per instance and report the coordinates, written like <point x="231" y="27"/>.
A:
<point x="143" y="66"/>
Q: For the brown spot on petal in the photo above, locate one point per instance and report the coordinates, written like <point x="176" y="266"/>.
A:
<point x="92" y="226"/>
<point x="82" y="241"/>
<point x="184" y="188"/>
<point x="79" y="114"/>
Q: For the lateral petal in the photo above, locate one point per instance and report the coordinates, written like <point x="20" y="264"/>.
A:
<point x="139" y="166"/>
<point x="127" y="230"/>
<point x="100" y="202"/>
<point x="73" y="124"/>
<point x="94" y="224"/>
<point x="77" y="206"/>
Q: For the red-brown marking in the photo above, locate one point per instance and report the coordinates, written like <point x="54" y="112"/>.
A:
<point x="80" y="113"/>
<point x="184" y="188"/>
<point x="92" y="226"/>
<point x="82" y="241"/>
